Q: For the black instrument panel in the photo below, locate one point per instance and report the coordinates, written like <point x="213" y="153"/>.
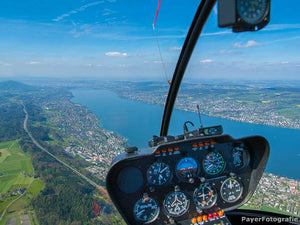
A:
<point x="186" y="181"/>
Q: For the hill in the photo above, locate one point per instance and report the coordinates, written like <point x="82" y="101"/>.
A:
<point x="16" y="86"/>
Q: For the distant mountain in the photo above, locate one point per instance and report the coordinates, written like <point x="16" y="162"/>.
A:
<point x="16" y="86"/>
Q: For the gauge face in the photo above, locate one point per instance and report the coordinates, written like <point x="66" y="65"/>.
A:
<point x="146" y="210"/>
<point x="252" y="11"/>
<point x="187" y="168"/>
<point x="231" y="190"/>
<point x="176" y="203"/>
<point x="205" y="196"/>
<point x="213" y="163"/>
<point x="158" y="174"/>
<point x="240" y="157"/>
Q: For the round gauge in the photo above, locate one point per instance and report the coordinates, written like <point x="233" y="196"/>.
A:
<point x="187" y="168"/>
<point x="146" y="210"/>
<point x="231" y="190"/>
<point x="158" y="174"/>
<point x="176" y="203"/>
<point x="205" y="196"/>
<point x="252" y="11"/>
<point x="240" y="157"/>
<point x="213" y="163"/>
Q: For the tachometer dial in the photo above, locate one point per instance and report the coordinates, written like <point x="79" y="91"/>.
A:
<point x="213" y="163"/>
<point x="176" y="203"/>
<point x="158" y="174"/>
<point x="231" y="190"/>
<point x="146" y="210"/>
<point x="252" y="11"/>
<point x="205" y="196"/>
<point x="187" y="168"/>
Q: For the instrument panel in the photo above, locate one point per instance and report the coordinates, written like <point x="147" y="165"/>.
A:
<point x="187" y="181"/>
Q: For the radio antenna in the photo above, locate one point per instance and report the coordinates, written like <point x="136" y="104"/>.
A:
<point x="201" y="125"/>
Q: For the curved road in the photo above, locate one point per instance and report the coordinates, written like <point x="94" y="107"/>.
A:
<point x="4" y="211"/>
<point x="63" y="163"/>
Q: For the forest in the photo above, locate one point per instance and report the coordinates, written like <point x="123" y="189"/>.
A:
<point x="66" y="198"/>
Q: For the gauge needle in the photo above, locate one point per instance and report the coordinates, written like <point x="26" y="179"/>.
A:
<point x="209" y="166"/>
<point x="163" y="170"/>
<point x="160" y="177"/>
<point x="140" y="212"/>
<point x="230" y="184"/>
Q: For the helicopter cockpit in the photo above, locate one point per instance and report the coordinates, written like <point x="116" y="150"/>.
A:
<point x="203" y="175"/>
<point x="187" y="179"/>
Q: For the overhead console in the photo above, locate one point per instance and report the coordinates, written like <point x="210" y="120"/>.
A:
<point x="190" y="181"/>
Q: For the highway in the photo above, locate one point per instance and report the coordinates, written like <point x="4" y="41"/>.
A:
<point x="57" y="159"/>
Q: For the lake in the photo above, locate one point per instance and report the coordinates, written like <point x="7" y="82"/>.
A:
<point x="138" y="122"/>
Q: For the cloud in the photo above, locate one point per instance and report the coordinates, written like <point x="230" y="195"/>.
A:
<point x="75" y="11"/>
<point x="33" y="63"/>
<point x="216" y="33"/>
<point x="174" y="48"/>
<point x="206" y="61"/>
<point x="283" y="39"/>
<point x="116" y="54"/>
<point x="273" y="27"/>
<point x="4" y="64"/>
<point x="225" y="51"/>
<point x="284" y="62"/>
<point x="81" y="30"/>
<point x="249" y="44"/>
<point x="107" y="12"/>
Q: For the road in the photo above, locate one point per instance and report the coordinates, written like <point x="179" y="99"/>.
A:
<point x="12" y="202"/>
<point x="57" y="159"/>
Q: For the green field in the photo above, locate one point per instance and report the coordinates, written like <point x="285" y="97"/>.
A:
<point x="14" y="166"/>
<point x="13" y="160"/>
<point x="11" y="182"/>
<point x="17" y="172"/>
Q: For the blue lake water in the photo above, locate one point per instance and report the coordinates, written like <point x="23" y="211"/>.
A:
<point x="138" y="122"/>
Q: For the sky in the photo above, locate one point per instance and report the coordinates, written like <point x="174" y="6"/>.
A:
<point x="114" y="39"/>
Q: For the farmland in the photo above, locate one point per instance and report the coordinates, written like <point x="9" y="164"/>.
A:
<point x="16" y="174"/>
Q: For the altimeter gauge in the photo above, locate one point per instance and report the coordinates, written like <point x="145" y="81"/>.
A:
<point x="176" y="203"/>
<point x="231" y="190"/>
<point x="158" y="174"/>
<point x="205" y="196"/>
<point x="146" y="210"/>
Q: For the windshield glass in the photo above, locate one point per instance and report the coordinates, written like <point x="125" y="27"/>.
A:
<point x="249" y="83"/>
<point x="82" y="80"/>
